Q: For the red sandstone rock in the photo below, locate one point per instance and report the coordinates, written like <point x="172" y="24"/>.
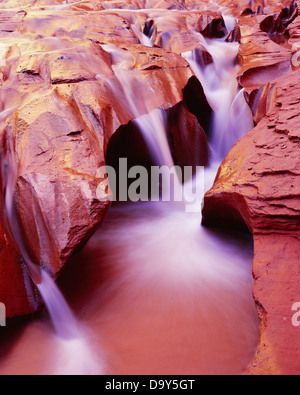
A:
<point x="258" y="185"/>
<point x="16" y="289"/>
<point x="189" y="142"/>
<point x="67" y="111"/>
<point x="263" y="60"/>
<point x="56" y="73"/>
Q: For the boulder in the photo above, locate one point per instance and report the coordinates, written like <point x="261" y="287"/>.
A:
<point x="63" y="103"/>
<point x="189" y="144"/>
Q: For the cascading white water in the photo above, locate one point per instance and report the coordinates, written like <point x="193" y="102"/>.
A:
<point x="69" y="334"/>
<point x="150" y="121"/>
<point x="232" y="117"/>
<point x="167" y="264"/>
<point x="145" y="40"/>
<point x="169" y="278"/>
<point x="70" y="337"/>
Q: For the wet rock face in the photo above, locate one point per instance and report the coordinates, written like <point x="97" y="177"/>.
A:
<point x="216" y="29"/>
<point x="277" y="25"/>
<point x="258" y="185"/>
<point x="16" y="289"/>
<point x="268" y="44"/>
<point x="61" y="103"/>
<point x="264" y="166"/>
<point x="189" y="144"/>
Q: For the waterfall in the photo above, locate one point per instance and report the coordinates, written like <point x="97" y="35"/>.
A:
<point x="149" y="121"/>
<point x="232" y="117"/>
<point x="160" y="254"/>
<point x="9" y="173"/>
<point x="70" y="335"/>
<point x="168" y="251"/>
<point x="75" y="354"/>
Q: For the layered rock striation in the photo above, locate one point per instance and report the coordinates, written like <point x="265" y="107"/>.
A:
<point x="61" y="103"/>
<point x="257" y="188"/>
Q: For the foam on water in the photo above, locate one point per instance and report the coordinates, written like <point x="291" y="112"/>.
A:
<point x="232" y="116"/>
<point x="190" y="287"/>
<point x="167" y="296"/>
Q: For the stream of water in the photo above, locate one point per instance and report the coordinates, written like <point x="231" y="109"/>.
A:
<point x="153" y="292"/>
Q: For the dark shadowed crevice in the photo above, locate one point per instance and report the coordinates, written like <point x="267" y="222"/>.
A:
<point x="127" y="143"/>
<point x="196" y="102"/>
<point x="226" y="212"/>
<point x="186" y="137"/>
<point x="215" y="29"/>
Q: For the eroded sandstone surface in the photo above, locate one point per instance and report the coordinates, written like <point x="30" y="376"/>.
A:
<point x="258" y="185"/>
<point x="60" y="111"/>
<point x="61" y="103"/>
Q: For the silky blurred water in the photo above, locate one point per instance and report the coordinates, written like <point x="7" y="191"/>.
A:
<point x="153" y="292"/>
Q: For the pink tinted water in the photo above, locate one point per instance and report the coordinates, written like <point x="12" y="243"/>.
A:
<point x="152" y="293"/>
<point x="155" y="294"/>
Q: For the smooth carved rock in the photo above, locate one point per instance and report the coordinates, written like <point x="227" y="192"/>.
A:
<point x="258" y="185"/>
<point x="66" y="111"/>
<point x="56" y="75"/>
<point x="16" y="288"/>
<point x="263" y="60"/>
<point x="189" y="144"/>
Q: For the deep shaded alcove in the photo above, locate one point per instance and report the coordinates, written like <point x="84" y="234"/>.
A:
<point x="223" y="212"/>
<point x="196" y="102"/>
<point x="128" y="143"/>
